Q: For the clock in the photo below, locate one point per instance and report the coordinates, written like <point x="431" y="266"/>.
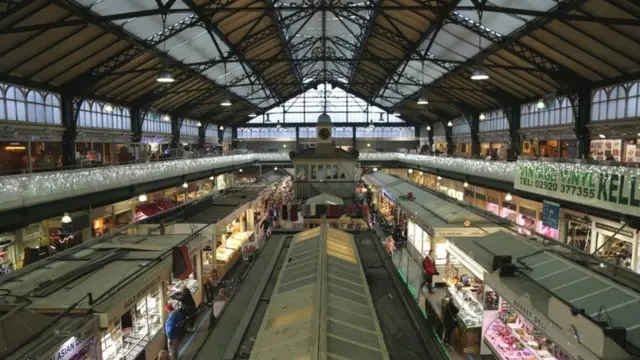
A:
<point x="324" y="133"/>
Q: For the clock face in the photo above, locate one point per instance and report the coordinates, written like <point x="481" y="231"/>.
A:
<point x="324" y="133"/>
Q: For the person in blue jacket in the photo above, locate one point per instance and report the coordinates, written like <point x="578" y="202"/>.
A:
<point x="173" y="330"/>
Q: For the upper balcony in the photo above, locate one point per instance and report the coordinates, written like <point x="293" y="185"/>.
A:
<point x="607" y="187"/>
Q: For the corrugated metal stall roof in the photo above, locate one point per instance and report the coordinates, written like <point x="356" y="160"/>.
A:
<point x="433" y="210"/>
<point x="321" y="303"/>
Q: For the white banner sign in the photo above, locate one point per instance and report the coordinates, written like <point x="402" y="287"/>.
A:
<point x="607" y="187"/>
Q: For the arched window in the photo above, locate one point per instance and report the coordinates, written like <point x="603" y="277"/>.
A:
<point x="557" y="111"/>
<point x="156" y="124"/>
<point x="617" y="102"/>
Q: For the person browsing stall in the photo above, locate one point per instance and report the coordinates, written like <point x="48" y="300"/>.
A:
<point x="173" y="330"/>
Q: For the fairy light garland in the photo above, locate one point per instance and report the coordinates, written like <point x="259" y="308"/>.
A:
<point x="26" y="189"/>
<point x="496" y="170"/>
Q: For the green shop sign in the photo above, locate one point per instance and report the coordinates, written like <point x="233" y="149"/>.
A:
<point x="607" y="187"/>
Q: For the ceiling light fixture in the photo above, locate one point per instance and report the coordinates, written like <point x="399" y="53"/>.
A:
<point x="211" y="177"/>
<point x="164" y="76"/>
<point x="480" y="72"/>
<point x="278" y="126"/>
<point x="423" y="101"/>
<point x="449" y="124"/>
<point x="508" y="197"/>
<point x="466" y="184"/>
<point x="185" y="185"/>
<point x="602" y="136"/>
<point x="240" y="170"/>
<point x="66" y="219"/>
<point x="284" y="146"/>
<point x="439" y="177"/>
<point x="410" y="171"/>
<point x="221" y="127"/>
<point x="375" y="169"/>
<point x="142" y="198"/>
<point x="108" y="108"/>
<point x="166" y="118"/>
<point x="252" y="115"/>
<point x="428" y="128"/>
<point x="540" y="105"/>
<point x="482" y="116"/>
<point x="275" y="168"/>
<point x="199" y="124"/>
<point x="226" y="101"/>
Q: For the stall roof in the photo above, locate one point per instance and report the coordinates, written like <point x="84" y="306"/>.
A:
<point x="321" y="303"/>
<point x="553" y="275"/>
<point x="325" y="198"/>
<point x="19" y="327"/>
<point x="99" y="281"/>
<point x="431" y="209"/>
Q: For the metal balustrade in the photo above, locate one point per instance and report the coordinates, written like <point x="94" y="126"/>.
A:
<point x="29" y="189"/>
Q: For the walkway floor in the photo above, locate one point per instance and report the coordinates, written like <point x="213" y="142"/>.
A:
<point x="216" y="342"/>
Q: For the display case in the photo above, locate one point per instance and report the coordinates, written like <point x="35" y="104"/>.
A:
<point x="512" y="337"/>
<point x="176" y="286"/>
<point x="130" y="334"/>
<point x="470" y="317"/>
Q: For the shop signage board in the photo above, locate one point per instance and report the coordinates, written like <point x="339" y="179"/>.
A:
<point x="73" y="345"/>
<point x="463" y="232"/>
<point x="607" y="187"/>
<point x="551" y="214"/>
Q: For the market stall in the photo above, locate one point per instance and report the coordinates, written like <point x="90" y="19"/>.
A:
<point x="72" y="337"/>
<point x="528" y="314"/>
<point x="127" y="277"/>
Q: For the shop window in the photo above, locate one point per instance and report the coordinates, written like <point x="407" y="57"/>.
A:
<point x="557" y="111"/>
<point x="494" y="121"/>
<point x="94" y="114"/>
<point x="21" y="104"/>
<point x="615" y="102"/>
<point x="155" y="123"/>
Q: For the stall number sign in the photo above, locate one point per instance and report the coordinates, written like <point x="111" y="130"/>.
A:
<point x="524" y="310"/>
<point x="71" y="347"/>
<point x="142" y="293"/>
<point x="612" y="188"/>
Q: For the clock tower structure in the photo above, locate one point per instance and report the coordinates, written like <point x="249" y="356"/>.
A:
<point x="324" y="131"/>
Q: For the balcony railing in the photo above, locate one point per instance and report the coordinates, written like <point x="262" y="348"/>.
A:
<point x="29" y="189"/>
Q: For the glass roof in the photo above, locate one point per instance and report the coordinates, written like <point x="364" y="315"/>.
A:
<point x="191" y="45"/>
<point x="341" y="106"/>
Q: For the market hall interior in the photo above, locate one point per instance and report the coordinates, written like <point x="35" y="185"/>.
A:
<point x="395" y="179"/>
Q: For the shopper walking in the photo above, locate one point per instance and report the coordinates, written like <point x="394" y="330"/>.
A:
<point x="429" y="270"/>
<point x="173" y="330"/>
<point x="389" y="245"/>
<point x="449" y="321"/>
<point x="188" y="305"/>
<point x="217" y="306"/>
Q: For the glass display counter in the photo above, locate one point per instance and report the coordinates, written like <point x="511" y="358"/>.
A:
<point x="129" y="335"/>
<point x="511" y="337"/>
<point x="469" y="318"/>
<point x="192" y="285"/>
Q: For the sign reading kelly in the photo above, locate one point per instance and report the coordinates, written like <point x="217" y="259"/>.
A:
<point x="608" y="187"/>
